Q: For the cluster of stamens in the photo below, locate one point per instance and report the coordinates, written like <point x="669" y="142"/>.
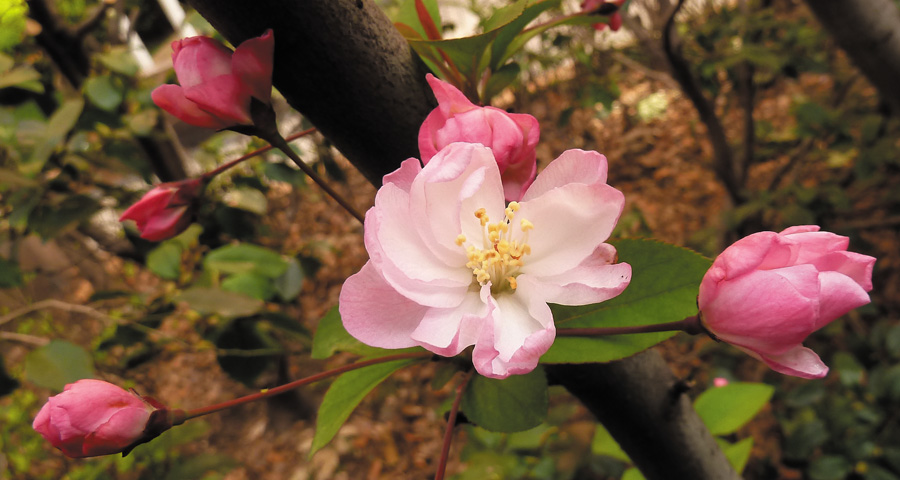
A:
<point x="500" y="256"/>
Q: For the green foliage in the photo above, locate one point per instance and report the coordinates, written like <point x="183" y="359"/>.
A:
<point x="246" y="258"/>
<point x="209" y="300"/>
<point x="57" y="364"/>
<point x="345" y="394"/>
<point x="332" y="337"/>
<point x="12" y="23"/>
<point x="251" y="349"/>
<point x="726" y="409"/>
<point x="514" y="404"/>
<point x="664" y="285"/>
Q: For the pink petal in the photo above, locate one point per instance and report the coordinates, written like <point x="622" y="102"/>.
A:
<point x="375" y="314"/>
<point x="224" y="97"/>
<point x="595" y="280"/>
<point x="839" y="294"/>
<point x="427" y="132"/>
<point x="450" y="99"/>
<point x="799" y="229"/>
<point x="404" y="260"/>
<point x="569" y="222"/>
<point x="448" y="331"/>
<point x="199" y="59"/>
<point x="573" y="166"/>
<point x="854" y="265"/>
<point x="403" y="177"/>
<point x="764" y="310"/>
<point x="799" y="362"/>
<point x="813" y="245"/>
<point x="171" y="99"/>
<point x="252" y="64"/>
<point x="522" y="331"/>
<point x="166" y="224"/>
<point x="122" y="429"/>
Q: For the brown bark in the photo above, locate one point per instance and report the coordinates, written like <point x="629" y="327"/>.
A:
<point x="869" y="31"/>
<point x="343" y="65"/>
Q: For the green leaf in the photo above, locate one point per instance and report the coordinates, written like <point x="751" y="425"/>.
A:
<point x="829" y="467"/>
<point x="10" y="275"/>
<point x="726" y="409"/>
<point x="58" y="363"/>
<point x="849" y="369"/>
<point x="251" y="284"/>
<point x="633" y="474"/>
<point x="514" y="404"/>
<point x="249" y="199"/>
<point x="664" y="285"/>
<point x="345" y="394"/>
<point x="165" y="260"/>
<point x="281" y="172"/>
<point x="407" y="15"/>
<point x="12" y="24"/>
<point x="210" y="301"/>
<point x="199" y="466"/>
<point x="288" y="285"/>
<point x="737" y="453"/>
<point x="61" y="122"/>
<point x="244" y="334"/>
<point x="120" y="60"/>
<point x="246" y="258"/>
<point x="500" y="80"/>
<point x="19" y="76"/>
<point x="604" y="444"/>
<point x="104" y="93"/>
<point x="49" y="220"/>
<point x="500" y="50"/>
<point x="331" y="337"/>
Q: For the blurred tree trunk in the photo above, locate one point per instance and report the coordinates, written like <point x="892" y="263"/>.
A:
<point x="343" y="65"/>
<point x="869" y="31"/>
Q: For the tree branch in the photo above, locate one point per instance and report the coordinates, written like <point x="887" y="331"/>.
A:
<point x="869" y="31"/>
<point x="723" y="157"/>
<point x="342" y="64"/>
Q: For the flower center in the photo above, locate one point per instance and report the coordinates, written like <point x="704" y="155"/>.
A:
<point x="498" y="257"/>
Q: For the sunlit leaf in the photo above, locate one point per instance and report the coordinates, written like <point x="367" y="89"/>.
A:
<point x="664" y="285"/>
<point x="57" y="364"/>
<point x="514" y="404"/>
<point x="726" y="409"/>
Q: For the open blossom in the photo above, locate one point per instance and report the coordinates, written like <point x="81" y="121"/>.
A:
<point x="452" y="266"/>
<point x="93" y="417"/>
<point x="767" y="292"/>
<point x="216" y="83"/>
<point x="164" y="211"/>
<point x="512" y="137"/>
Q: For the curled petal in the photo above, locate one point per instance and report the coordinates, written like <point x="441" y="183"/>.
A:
<point x="224" y="97"/>
<point x="595" y="280"/>
<point x="573" y="166"/>
<point x="199" y="59"/>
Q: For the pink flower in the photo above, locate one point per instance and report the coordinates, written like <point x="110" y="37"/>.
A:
<point x="164" y="211"/>
<point x="450" y="265"/>
<point x="92" y="417"/>
<point x="766" y="293"/>
<point x="615" y="19"/>
<point x="720" y="382"/>
<point x="513" y="137"/>
<point x="216" y="83"/>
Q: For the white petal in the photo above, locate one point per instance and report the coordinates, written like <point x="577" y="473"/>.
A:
<point x="448" y="331"/>
<point x="573" y="166"/>
<point x="569" y="223"/>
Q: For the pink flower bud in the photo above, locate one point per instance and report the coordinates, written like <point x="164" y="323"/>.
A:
<point x="216" y="83"/>
<point x="92" y="417"/>
<point x="595" y="6"/>
<point x="767" y="292"/>
<point x="719" y="382"/>
<point x="512" y="137"/>
<point x="166" y="210"/>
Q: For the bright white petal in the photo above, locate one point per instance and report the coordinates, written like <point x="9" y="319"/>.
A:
<point x="448" y="331"/>
<point x="595" y="280"/>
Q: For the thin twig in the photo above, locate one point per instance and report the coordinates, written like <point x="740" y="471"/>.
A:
<point x="24" y="338"/>
<point x="451" y="424"/>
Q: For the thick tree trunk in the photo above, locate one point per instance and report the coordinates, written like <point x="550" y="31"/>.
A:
<point x="343" y="65"/>
<point x="869" y="31"/>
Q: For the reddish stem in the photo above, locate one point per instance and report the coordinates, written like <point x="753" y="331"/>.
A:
<point x="221" y="168"/>
<point x="689" y="325"/>
<point x="451" y="423"/>
<point x="299" y="383"/>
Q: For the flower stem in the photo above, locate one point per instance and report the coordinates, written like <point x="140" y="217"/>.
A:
<point x="451" y="423"/>
<point x="221" y="168"/>
<point x="299" y="383"/>
<point x="689" y="325"/>
<point x="278" y="142"/>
